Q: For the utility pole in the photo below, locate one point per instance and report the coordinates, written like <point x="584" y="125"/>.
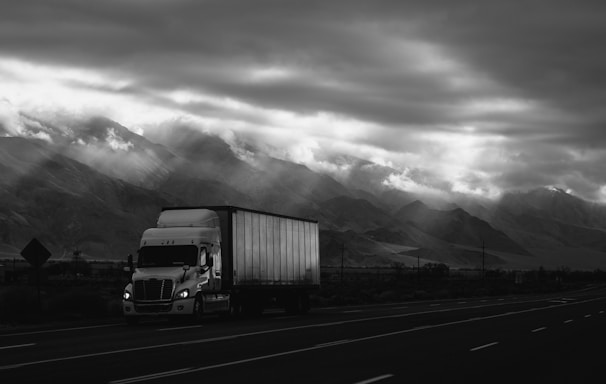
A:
<point x="418" y="268"/>
<point x="76" y="256"/>
<point x="483" y="257"/>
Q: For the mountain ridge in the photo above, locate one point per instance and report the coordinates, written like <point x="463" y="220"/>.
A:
<point x="193" y="168"/>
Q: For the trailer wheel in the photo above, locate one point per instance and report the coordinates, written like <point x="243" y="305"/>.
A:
<point x="198" y="310"/>
<point x="297" y="304"/>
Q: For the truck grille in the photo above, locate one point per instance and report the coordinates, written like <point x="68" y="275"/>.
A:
<point x="153" y="289"/>
<point x="153" y="308"/>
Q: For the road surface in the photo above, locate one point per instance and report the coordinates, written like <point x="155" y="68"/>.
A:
<point x="552" y="338"/>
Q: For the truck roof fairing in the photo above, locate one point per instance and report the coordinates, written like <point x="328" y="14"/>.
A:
<point x="204" y="218"/>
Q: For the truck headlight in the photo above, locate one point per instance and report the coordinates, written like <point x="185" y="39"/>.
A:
<point x="183" y="294"/>
<point x="127" y="296"/>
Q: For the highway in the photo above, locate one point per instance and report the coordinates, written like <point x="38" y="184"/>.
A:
<point x="550" y="338"/>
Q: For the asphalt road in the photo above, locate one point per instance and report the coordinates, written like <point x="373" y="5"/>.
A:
<point x="556" y="338"/>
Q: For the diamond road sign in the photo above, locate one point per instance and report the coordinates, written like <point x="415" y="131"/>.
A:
<point x="35" y="253"/>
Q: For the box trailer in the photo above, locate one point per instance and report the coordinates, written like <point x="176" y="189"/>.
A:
<point x="222" y="259"/>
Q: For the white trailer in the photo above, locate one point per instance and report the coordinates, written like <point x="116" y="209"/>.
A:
<point x="223" y="259"/>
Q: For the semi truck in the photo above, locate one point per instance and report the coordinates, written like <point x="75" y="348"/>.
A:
<point x="222" y="260"/>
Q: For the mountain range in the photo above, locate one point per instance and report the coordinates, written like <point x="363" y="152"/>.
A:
<point x="95" y="185"/>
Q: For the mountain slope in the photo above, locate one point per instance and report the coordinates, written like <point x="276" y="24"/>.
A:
<point x="549" y="218"/>
<point x="458" y="227"/>
<point x="67" y="205"/>
<point x="107" y="147"/>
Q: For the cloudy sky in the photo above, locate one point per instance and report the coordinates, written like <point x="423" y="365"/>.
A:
<point x="477" y="97"/>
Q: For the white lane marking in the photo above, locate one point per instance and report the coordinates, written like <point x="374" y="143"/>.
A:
<point x="462" y="302"/>
<point x="151" y="377"/>
<point x="17" y="346"/>
<point x="330" y="324"/>
<point x="18" y="365"/>
<point x="333" y="343"/>
<point x="178" y="328"/>
<point x="60" y="330"/>
<point x="375" y="379"/>
<point x="390" y="334"/>
<point x="568" y="321"/>
<point x="601" y="312"/>
<point x="352" y="311"/>
<point x="483" y="346"/>
<point x="221" y="338"/>
<point x="539" y="329"/>
<point x="312" y="326"/>
<point x="586" y="316"/>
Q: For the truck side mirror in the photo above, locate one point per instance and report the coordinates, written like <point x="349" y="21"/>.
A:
<point x="205" y="259"/>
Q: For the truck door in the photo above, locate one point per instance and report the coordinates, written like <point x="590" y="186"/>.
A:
<point x="216" y="269"/>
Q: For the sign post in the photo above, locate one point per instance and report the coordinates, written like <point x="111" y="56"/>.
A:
<point x="36" y="254"/>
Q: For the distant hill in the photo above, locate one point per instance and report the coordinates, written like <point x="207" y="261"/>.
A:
<point x="95" y="185"/>
<point x="356" y="214"/>
<point x="554" y="204"/>
<point x="549" y="218"/>
<point x="107" y="147"/>
<point x="68" y="205"/>
<point x="457" y="227"/>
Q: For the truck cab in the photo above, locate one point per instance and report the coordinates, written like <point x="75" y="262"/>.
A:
<point x="178" y="268"/>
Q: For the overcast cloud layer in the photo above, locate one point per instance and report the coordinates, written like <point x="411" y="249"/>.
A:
<point x="477" y="97"/>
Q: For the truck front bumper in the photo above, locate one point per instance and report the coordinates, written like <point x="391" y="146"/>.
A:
<point x="176" y="307"/>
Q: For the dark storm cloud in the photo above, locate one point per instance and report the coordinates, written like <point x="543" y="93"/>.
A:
<point x="209" y="44"/>
<point x="524" y="78"/>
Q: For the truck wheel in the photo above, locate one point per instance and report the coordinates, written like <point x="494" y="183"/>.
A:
<point x="235" y="308"/>
<point x="198" y="310"/>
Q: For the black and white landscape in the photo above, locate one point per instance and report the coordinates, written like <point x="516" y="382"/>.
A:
<point x="56" y="191"/>
<point x="413" y="131"/>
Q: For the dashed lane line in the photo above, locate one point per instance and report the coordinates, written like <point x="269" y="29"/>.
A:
<point x="152" y="376"/>
<point x="343" y="342"/>
<point x="333" y="343"/>
<point x="29" y="363"/>
<point x="375" y="379"/>
<point x="18" y="346"/>
<point x="484" y="346"/>
<point x="179" y="328"/>
<point x="61" y="330"/>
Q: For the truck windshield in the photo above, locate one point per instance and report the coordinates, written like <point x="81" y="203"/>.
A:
<point x="167" y="256"/>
